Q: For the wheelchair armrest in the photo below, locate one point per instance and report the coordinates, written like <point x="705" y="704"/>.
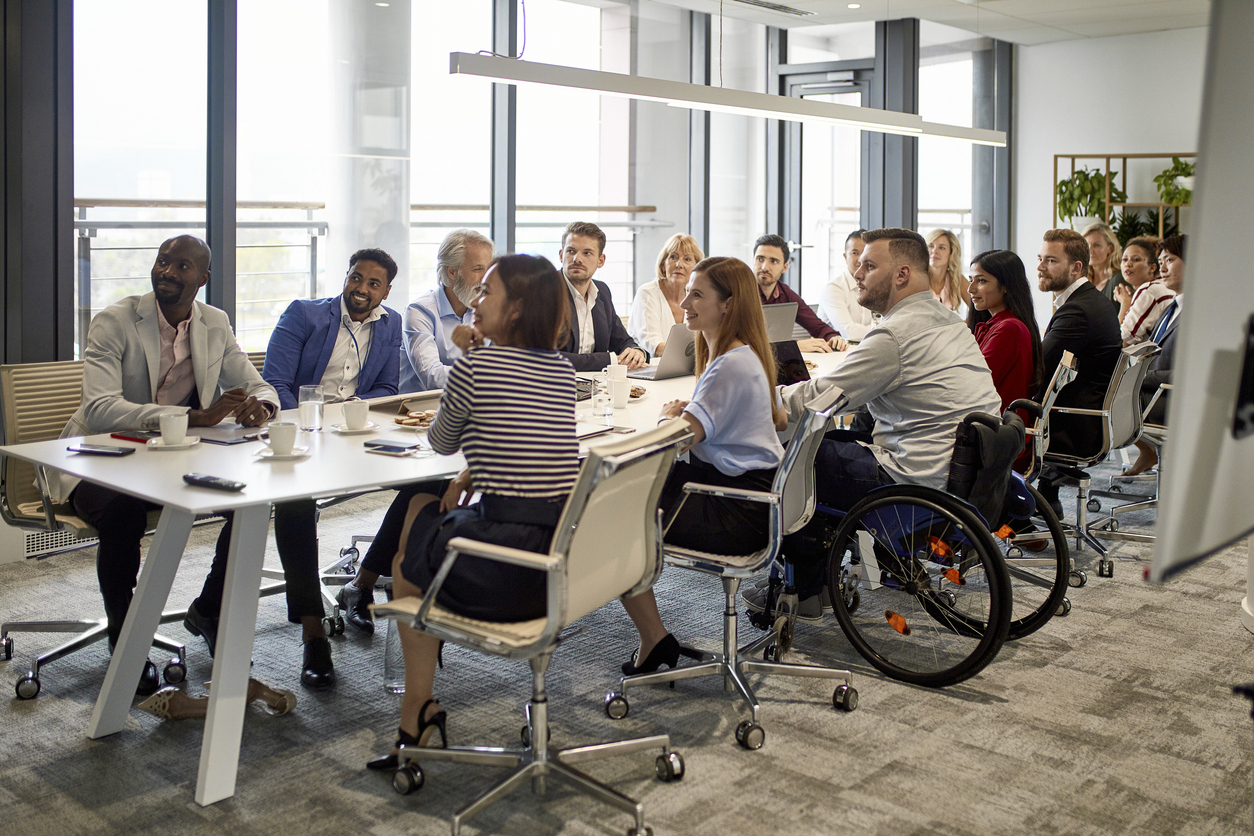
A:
<point x="1031" y="407"/>
<point x="732" y="493"/>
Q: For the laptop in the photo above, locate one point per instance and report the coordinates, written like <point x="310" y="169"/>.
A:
<point x="679" y="358"/>
<point x="790" y="366"/>
<point x="779" y="321"/>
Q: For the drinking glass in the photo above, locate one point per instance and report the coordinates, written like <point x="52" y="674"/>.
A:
<point x="310" y="408"/>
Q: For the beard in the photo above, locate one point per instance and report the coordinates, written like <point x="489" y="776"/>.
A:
<point x="357" y="305"/>
<point x="465" y="293"/>
<point x="875" y="300"/>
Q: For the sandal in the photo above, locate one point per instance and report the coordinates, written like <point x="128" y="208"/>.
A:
<point x="278" y="701"/>
<point x="404" y="738"/>
<point x="172" y="704"/>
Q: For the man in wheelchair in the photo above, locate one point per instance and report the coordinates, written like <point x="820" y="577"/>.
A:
<point x="919" y="373"/>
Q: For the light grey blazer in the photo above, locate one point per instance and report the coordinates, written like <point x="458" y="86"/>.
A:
<point x="123" y="360"/>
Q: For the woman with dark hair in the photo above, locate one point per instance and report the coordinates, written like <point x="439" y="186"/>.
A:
<point x="734" y="415"/>
<point x="509" y="407"/>
<point x="1147" y="296"/>
<point x="1004" y="324"/>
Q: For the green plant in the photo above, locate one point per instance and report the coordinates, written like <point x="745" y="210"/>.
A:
<point x="1129" y="224"/>
<point x="1084" y="195"/>
<point x="1171" y="192"/>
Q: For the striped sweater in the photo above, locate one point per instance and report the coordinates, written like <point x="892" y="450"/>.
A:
<point x="511" y="411"/>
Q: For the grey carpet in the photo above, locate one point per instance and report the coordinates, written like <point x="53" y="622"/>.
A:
<point x="1116" y="719"/>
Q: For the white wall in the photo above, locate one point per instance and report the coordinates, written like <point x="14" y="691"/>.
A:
<point x="1132" y="93"/>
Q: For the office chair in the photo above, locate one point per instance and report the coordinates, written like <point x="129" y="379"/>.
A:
<point x="791" y="502"/>
<point x="606" y="546"/>
<point x="1107" y="527"/>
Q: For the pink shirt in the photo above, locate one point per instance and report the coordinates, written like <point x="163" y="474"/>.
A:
<point x="176" y="380"/>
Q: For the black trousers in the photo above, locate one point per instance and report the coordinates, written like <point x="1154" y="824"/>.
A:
<point x="120" y="520"/>
<point x="387" y="541"/>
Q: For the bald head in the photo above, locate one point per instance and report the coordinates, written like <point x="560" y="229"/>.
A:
<point x="179" y="272"/>
<point x="194" y="247"/>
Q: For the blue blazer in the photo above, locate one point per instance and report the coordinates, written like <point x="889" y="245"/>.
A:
<point x="301" y="347"/>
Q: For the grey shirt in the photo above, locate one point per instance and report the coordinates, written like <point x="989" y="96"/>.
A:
<point x="919" y="373"/>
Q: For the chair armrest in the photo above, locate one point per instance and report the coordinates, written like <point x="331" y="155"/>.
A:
<point x="732" y="493"/>
<point x="1166" y="386"/>
<point x="1075" y="410"/>
<point x="503" y="554"/>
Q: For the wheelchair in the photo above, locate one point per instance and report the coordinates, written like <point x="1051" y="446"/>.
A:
<point x="922" y="586"/>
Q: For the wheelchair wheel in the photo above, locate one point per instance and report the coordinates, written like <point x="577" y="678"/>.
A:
<point x="1038" y="565"/>
<point x="932" y="590"/>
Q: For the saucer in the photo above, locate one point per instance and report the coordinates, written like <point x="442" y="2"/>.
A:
<point x="298" y="452"/>
<point x="343" y="429"/>
<point x="189" y="441"/>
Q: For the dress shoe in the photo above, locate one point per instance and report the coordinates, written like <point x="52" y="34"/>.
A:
<point x="318" y="671"/>
<point x="355" y="604"/>
<point x="201" y="625"/>
<point x="403" y="738"/>
<point x="149" y="682"/>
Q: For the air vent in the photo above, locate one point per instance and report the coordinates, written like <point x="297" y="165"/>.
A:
<point x="776" y="7"/>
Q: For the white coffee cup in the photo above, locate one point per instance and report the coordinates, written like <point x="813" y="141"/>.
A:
<point x="173" y="429"/>
<point x="618" y="371"/>
<point x="282" y="437"/>
<point x="620" y="391"/>
<point x="355" y="414"/>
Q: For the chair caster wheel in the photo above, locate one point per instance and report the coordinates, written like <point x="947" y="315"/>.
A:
<point x="1106" y="569"/>
<point x="1077" y="578"/>
<point x="616" y="706"/>
<point x="350" y="550"/>
<point x="773" y="653"/>
<point x="525" y="736"/>
<point x="28" y="686"/>
<point x="175" y="672"/>
<point x="333" y="626"/>
<point x="845" y="697"/>
<point x="1014" y="553"/>
<point x="407" y="779"/>
<point x="1064" y="607"/>
<point x="670" y="767"/>
<point x="1094" y="506"/>
<point x="783" y="633"/>
<point x="339" y="625"/>
<point x="750" y="735"/>
<point x="648" y="831"/>
<point x="6" y="646"/>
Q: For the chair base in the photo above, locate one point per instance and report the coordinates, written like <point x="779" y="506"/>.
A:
<point x="334" y="575"/>
<point x="733" y="664"/>
<point x="536" y="762"/>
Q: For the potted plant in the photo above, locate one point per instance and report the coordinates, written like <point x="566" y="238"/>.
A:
<point x="1175" y="184"/>
<point x="1082" y="198"/>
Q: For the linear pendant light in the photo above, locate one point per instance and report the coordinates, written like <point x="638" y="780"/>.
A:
<point x="979" y="136"/>
<point x="683" y="94"/>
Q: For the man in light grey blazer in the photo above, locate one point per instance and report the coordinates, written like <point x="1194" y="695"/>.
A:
<point x="166" y="353"/>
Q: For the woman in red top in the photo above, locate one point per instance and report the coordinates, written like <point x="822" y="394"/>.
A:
<point x="1004" y="325"/>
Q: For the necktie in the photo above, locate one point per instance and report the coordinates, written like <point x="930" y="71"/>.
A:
<point x="1161" y="329"/>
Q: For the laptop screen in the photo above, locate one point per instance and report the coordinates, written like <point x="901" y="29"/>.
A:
<point x="790" y="366"/>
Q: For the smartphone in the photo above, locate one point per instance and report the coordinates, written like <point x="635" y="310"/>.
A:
<point x="100" y="450"/>
<point x="217" y="483"/>
<point x="388" y="450"/>
<point x="393" y="443"/>
<point x="141" y="436"/>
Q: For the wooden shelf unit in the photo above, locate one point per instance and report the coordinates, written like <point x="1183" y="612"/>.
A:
<point x="1123" y="175"/>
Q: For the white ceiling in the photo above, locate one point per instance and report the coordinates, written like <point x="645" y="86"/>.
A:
<point x="1018" y="21"/>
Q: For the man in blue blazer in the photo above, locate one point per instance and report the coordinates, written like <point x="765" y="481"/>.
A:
<point x="348" y="343"/>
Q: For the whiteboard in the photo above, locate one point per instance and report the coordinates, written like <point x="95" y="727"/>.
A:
<point x="1206" y="496"/>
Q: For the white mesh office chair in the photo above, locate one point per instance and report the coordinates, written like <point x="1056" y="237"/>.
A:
<point x="1107" y="527"/>
<point x="791" y="501"/>
<point x="606" y="546"/>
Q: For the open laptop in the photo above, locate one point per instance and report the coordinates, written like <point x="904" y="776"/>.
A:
<point x="679" y="358"/>
<point x="790" y="366"/>
<point x="779" y="321"/>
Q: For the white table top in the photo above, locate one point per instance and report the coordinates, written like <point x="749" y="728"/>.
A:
<point x="336" y="464"/>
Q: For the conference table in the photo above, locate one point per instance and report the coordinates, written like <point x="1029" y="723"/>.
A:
<point x="336" y="464"/>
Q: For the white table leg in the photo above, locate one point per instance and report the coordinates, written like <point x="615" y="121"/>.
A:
<point x="237" y="624"/>
<point x="142" y="620"/>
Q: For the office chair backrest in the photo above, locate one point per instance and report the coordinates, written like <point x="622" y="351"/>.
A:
<point x="37" y="400"/>
<point x="258" y="359"/>
<point x="1123" y="398"/>
<point x="794" y="481"/>
<point x="608" y="532"/>
<point x="1063" y="375"/>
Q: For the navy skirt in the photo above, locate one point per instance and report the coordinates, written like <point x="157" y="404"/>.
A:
<point x="476" y="587"/>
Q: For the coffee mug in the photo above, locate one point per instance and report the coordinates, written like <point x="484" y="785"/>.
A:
<point x="173" y="428"/>
<point x="282" y="437"/>
<point x="618" y="371"/>
<point x="620" y="390"/>
<point x="355" y="414"/>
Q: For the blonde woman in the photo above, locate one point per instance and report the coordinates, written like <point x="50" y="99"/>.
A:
<point x="1104" y="260"/>
<point x="944" y="271"/>
<point x="656" y="307"/>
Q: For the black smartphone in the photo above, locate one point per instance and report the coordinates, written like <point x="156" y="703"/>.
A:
<point x="389" y="450"/>
<point x="100" y="450"/>
<point x="217" y="483"/>
<point x="392" y="443"/>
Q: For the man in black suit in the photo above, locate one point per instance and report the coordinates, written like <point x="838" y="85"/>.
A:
<point x="595" y="336"/>
<point x="1084" y="324"/>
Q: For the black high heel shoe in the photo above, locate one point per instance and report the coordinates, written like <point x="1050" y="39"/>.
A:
<point x="404" y="738"/>
<point x="666" y="652"/>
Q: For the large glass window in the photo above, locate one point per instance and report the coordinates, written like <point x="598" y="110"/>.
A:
<point x="831" y="189"/>
<point x="139" y="142"/>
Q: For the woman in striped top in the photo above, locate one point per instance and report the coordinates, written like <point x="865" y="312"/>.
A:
<point x="1143" y="302"/>
<point x="510" y="408"/>
<point x="734" y="415"/>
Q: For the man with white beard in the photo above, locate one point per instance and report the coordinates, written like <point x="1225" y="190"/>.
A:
<point x="438" y="324"/>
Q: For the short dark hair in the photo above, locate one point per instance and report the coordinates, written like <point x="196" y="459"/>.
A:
<point x="376" y="255"/>
<point x="774" y="241"/>
<point x="857" y="233"/>
<point x="1173" y="244"/>
<point x="1073" y="244"/>
<point x="905" y="245"/>
<point x="585" y="228"/>
<point x="542" y="319"/>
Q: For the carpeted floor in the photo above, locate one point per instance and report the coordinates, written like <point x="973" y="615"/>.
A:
<point x="1116" y="719"/>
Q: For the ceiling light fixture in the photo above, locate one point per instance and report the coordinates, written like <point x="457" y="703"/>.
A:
<point x="702" y="97"/>
<point x="854" y="6"/>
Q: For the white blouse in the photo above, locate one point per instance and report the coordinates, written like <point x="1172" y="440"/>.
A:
<point x="651" y="318"/>
<point x="839" y="308"/>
